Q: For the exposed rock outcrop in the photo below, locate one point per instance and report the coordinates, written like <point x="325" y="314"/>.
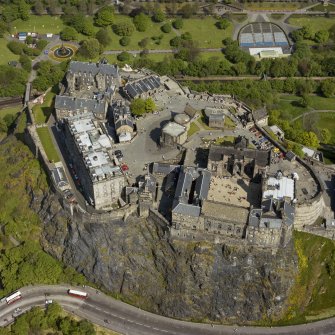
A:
<point x="186" y="280"/>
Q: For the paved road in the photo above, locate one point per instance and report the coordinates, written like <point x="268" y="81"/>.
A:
<point x="157" y="51"/>
<point x="126" y="319"/>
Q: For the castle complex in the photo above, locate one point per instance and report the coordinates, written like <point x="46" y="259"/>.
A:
<point x="244" y="193"/>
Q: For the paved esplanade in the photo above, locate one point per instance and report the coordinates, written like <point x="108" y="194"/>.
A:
<point x="126" y="319"/>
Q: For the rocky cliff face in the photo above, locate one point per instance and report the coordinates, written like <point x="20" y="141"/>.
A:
<point x="194" y="281"/>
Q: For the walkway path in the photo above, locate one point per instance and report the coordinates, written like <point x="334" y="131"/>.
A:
<point x="313" y="111"/>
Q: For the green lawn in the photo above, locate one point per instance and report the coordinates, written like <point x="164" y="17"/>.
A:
<point x="290" y="108"/>
<point x="41" y="24"/>
<point x="321" y="8"/>
<point x="239" y="17"/>
<point x="43" y="111"/>
<point x="10" y="110"/>
<point x="48" y="145"/>
<point x="206" y="33"/>
<point x="277" y="16"/>
<point x="272" y="5"/>
<point x="154" y="29"/>
<point x="229" y="123"/>
<point x="327" y="120"/>
<point x="5" y="54"/>
<point x="193" y="129"/>
<point x="225" y="140"/>
<point x="316" y="23"/>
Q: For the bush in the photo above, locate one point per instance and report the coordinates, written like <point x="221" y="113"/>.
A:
<point x="25" y="62"/>
<point x="31" y="51"/>
<point x="222" y="24"/>
<point x="141" y="22"/>
<point x="178" y="24"/>
<point x="103" y="37"/>
<point x="124" y="56"/>
<point x="166" y="28"/>
<point x="16" y="47"/>
<point x="186" y="36"/>
<point x="123" y="29"/>
<point x="158" y="16"/>
<point x="143" y="43"/>
<point x="90" y="48"/>
<point x="41" y="44"/>
<point x="124" y="41"/>
<point x="68" y="34"/>
<point x="176" y="41"/>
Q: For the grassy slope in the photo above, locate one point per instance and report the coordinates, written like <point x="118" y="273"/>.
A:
<point x="43" y="111"/>
<point x="327" y="120"/>
<point x="5" y="54"/>
<point x="313" y="294"/>
<point x="10" y="110"/>
<point x="47" y="143"/>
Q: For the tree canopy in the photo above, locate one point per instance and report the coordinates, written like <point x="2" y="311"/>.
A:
<point x="104" y="17"/>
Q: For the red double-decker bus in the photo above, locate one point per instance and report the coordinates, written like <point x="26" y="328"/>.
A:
<point x="13" y="297"/>
<point x="77" y="294"/>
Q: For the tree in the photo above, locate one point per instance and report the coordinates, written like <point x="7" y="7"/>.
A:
<point x="178" y="23"/>
<point x="124" y="56"/>
<point x="158" y="16"/>
<point x="137" y="106"/>
<point x="103" y="37"/>
<point x="141" y="22"/>
<point x="150" y="105"/>
<point x="144" y="42"/>
<point x="15" y="47"/>
<point x="123" y="29"/>
<point x="124" y="41"/>
<point x="53" y="312"/>
<point x="188" y="10"/>
<point x="326" y="135"/>
<point x="24" y="10"/>
<point x="176" y="41"/>
<point x="39" y="8"/>
<point x="327" y="88"/>
<point x="90" y="48"/>
<point x="29" y="40"/>
<point x="321" y="36"/>
<point x="25" y="62"/>
<point x="310" y="139"/>
<point x="222" y="24"/>
<point x="104" y="17"/>
<point x="166" y="28"/>
<point x="82" y="24"/>
<point x="68" y="34"/>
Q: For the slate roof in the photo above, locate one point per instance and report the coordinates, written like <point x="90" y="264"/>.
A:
<point x="94" y="68"/>
<point x="262" y="157"/>
<point x="122" y="116"/>
<point x="135" y="88"/>
<point x="164" y="168"/>
<point x="289" y="212"/>
<point x="187" y="191"/>
<point x="73" y="104"/>
<point x="259" y="114"/>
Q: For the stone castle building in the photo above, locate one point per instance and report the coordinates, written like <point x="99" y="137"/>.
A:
<point x="197" y="214"/>
<point x="92" y="156"/>
<point x="82" y="76"/>
<point x="237" y="160"/>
